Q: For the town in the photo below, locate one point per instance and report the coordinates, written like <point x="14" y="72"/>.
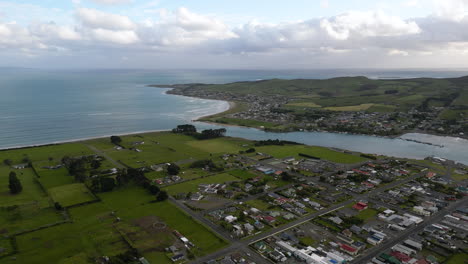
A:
<point x="372" y="107"/>
<point x="199" y="197"/>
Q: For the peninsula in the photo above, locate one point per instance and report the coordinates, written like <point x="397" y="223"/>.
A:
<point x="386" y="107"/>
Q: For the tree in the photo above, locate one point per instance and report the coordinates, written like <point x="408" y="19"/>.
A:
<point x="95" y="164"/>
<point x="173" y="169"/>
<point x="107" y="184"/>
<point x="115" y="140"/>
<point x="58" y="206"/>
<point x="14" y="183"/>
<point x="162" y="196"/>
<point x="154" y="189"/>
<point x="286" y="176"/>
<point x="7" y="162"/>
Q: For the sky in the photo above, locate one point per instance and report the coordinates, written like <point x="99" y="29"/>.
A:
<point x="240" y="34"/>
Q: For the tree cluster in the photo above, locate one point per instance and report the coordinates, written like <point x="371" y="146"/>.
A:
<point x="185" y="129"/>
<point x="115" y="140"/>
<point x="275" y="142"/>
<point x="79" y="166"/>
<point x="14" y="183"/>
<point x="209" y="164"/>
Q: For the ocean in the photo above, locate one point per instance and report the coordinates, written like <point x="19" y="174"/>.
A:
<point x="47" y="106"/>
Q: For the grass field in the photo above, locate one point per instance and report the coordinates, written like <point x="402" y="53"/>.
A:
<point x="320" y="152"/>
<point x="71" y="194"/>
<point x="31" y="189"/>
<point x="458" y="259"/>
<point x="192" y="186"/>
<point x="158" y="148"/>
<point x="367" y="214"/>
<point x="26" y="217"/>
<point x="242" y="174"/>
<point x="303" y="104"/>
<point x="139" y="206"/>
<point x="220" y="145"/>
<point x="360" y="107"/>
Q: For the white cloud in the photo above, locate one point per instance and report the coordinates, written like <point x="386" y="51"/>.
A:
<point x="367" y="24"/>
<point x="112" y="2"/>
<point x="93" y="18"/>
<point x="119" y="37"/>
<point x="454" y="10"/>
<point x="53" y="31"/>
<point x="396" y="52"/>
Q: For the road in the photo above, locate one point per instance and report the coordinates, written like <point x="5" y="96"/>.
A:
<point x="103" y="154"/>
<point x="375" y="251"/>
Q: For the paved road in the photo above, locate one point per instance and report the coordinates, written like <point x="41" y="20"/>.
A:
<point x="109" y="158"/>
<point x="375" y="251"/>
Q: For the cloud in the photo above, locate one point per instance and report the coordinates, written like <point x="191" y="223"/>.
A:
<point x="395" y="52"/>
<point x="367" y="24"/>
<point x="112" y="2"/>
<point x="455" y="10"/>
<point x="93" y="18"/>
<point x="54" y="31"/>
<point x="119" y="37"/>
<point x="349" y="37"/>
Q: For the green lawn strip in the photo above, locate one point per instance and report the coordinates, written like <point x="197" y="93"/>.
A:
<point x="158" y="148"/>
<point x="71" y="194"/>
<point x="192" y="186"/>
<point x="220" y="145"/>
<point x="319" y="152"/>
<point x="457" y="259"/>
<point x="367" y="214"/>
<point x="26" y="217"/>
<point x="91" y="233"/>
<point x="53" y="178"/>
<point x="242" y="174"/>
<point x="56" y="152"/>
<point x="32" y="192"/>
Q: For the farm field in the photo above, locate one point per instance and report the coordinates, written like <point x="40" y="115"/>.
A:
<point x="71" y="194"/>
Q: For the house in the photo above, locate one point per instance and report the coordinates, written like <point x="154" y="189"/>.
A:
<point x="249" y="228"/>
<point x="360" y="206"/>
<point x="196" y="197"/>
<point x="20" y="166"/>
<point x="348" y="249"/>
<point x="336" y="220"/>
<point x="248" y="187"/>
<point x="277" y="256"/>
<point x="177" y="257"/>
<point x="237" y="230"/>
<point x="230" y="218"/>
<point x="269" y="219"/>
<point x="259" y="225"/>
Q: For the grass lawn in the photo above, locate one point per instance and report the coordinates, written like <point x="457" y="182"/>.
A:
<point x="320" y="152"/>
<point x="259" y="204"/>
<point x="243" y="174"/>
<point x="220" y="145"/>
<point x="158" y="148"/>
<point x="458" y="259"/>
<point x="56" y="152"/>
<point x="71" y="194"/>
<point x="90" y="235"/>
<point x="54" y="178"/>
<point x="192" y="186"/>
<point x="360" y="107"/>
<point x="367" y="214"/>
<point x="133" y="202"/>
<point x="31" y="189"/>
<point x="26" y="217"/>
<point x="303" y="104"/>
